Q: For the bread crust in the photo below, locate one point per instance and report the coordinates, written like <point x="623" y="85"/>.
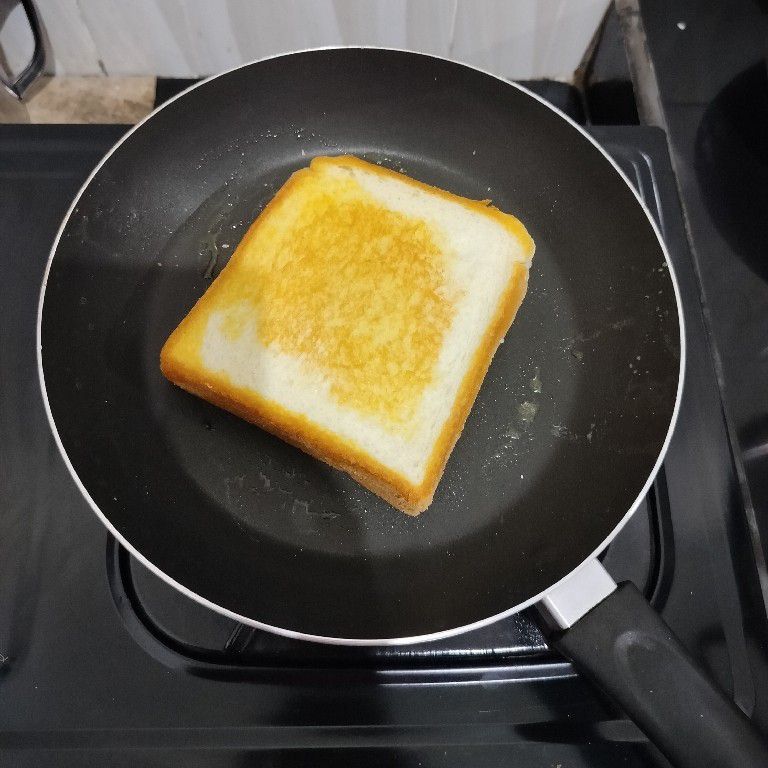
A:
<point x="187" y="372"/>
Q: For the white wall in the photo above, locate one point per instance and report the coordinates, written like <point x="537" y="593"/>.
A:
<point x="188" y="38"/>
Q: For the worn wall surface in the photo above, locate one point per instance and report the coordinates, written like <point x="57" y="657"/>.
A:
<point x="190" y="38"/>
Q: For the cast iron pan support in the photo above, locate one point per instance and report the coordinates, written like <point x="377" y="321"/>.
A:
<point x="617" y="640"/>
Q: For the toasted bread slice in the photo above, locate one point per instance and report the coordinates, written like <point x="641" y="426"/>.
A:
<point x="356" y="320"/>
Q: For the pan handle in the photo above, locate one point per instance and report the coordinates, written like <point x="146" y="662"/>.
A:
<point x="626" y="648"/>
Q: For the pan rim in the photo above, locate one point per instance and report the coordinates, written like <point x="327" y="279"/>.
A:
<point x="329" y="640"/>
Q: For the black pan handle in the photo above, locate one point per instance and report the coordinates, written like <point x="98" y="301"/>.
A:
<point x="625" y="647"/>
<point x="36" y="64"/>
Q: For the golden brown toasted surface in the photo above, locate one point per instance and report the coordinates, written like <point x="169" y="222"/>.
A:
<point x="370" y="286"/>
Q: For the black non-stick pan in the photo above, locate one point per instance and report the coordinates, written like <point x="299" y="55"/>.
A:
<point x="565" y="438"/>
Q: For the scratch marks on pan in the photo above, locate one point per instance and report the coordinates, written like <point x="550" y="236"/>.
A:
<point x="303" y="508"/>
<point x="536" y="381"/>
<point x="211" y="249"/>
<point x="233" y="487"/>
<point x="307" y="520"/>
<point x="562" y="432"/>
<point x="585" y="338"/>
<point x="524" y="414"/>
<point x="210" y="245"/>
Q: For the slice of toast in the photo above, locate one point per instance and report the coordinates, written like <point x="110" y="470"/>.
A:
<point x="356" y="320"/>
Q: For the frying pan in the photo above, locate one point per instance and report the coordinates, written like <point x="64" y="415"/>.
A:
<point x="567" y="434"/>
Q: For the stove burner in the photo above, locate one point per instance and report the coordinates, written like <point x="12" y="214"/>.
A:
<point x="165" y="675"/>
<point x="161" y="618"/>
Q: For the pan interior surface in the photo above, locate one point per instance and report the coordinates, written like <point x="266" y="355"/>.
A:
<point x="567" y="427"/>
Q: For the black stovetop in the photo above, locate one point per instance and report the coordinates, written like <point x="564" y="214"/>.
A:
<point x="102" y="664"/>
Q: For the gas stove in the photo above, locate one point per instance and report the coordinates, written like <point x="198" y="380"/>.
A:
<point x="101" y="663"/>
